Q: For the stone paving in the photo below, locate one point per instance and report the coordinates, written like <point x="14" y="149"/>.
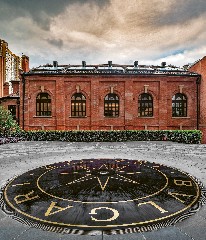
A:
<point x="17" y="158"/>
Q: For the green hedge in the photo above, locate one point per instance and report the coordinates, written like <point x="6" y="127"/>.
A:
<point x="181" y="136"/>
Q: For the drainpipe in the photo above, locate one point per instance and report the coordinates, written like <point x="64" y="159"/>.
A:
<point x="23" y="99"/>
<point x="198" y="81"/>
<point x="18" y="109"/>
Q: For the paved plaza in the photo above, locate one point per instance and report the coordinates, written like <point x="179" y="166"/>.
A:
<point x="17" y="158"/>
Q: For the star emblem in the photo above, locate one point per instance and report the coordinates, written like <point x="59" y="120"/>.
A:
<point x="104" y="174"/>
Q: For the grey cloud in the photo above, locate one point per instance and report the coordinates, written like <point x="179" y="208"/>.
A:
<point x="97" y="31"/>
<point x="41" y="11"/>
<point x="182" y="11"/>
<point x="56" y="42"/>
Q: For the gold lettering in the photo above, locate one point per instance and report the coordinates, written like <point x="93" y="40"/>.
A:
<point x="105" y="184"/>
<point x="179" y="194"/>
<point x="182" y="183"/>
<point x="154" y="205"/>
<point x="48" y="167"/>
<point x="104" y="165"/>
<point x="115" y="216"/>
<point x="52" y="207"/>
<point x="25" y="197"/>
<point x="156" y="166"/>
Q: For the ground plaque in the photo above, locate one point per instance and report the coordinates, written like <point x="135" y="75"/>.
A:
<point x="108" y="195"/>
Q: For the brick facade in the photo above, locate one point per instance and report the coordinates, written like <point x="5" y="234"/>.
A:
<point x="95" y="82"/>
<point x="61" y="86"/>
<point x="200" y="67"/>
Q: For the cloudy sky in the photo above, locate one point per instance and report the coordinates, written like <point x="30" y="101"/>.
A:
<point x="69" y="31"/>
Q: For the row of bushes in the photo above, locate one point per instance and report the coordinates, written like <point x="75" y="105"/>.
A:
<point x="11" y="132"/>
<point x="181" y="136"/>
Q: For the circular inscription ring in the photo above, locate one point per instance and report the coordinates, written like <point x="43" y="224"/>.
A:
<point x="102" y="194"/>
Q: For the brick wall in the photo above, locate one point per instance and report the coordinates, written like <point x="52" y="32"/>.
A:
<point x="1" y="76"/>
<point x="3" y="47"/>
<point x="25" y="63"/>
<point x="95" y="88"/>
<point x="5" y="89"/>
<point x="200" y="67"/>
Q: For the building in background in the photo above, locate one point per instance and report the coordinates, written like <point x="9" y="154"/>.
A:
<point x="200" y="68"/>
<point x="103" y="97"/>
<point x="109" y="97"/>
<point x="11" y="67"/>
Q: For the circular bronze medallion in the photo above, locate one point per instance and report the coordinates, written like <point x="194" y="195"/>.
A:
<point x="102" y="194"/>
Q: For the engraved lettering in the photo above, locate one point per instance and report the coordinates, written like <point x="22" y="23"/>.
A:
<point x="48" y="167"/>
<point x="53" y="209"/>
<point x="183" y="183"/>
<point x="115" y="214"/>
<point x="175" y="195"/>
<point x="25" y="197"/>
<point x="105" y="184"/>
<point x="154" y="205"/>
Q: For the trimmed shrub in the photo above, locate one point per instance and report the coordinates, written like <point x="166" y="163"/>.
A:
<point x="181" y="136"/>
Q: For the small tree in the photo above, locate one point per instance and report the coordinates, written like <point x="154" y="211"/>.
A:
<point x="7" y="124"/>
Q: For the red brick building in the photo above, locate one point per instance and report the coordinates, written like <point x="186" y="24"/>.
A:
<point x="109" y="97"/>
<point x="200" y="67"/>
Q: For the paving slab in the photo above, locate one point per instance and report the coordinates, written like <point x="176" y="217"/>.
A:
<point x="136" y="236"/>
<point x="167" y="234"/>
<point x="17" y="158"/>
<point x="194" y="227"/>
<point x="33" y="234"/>
<point x="10" y="229"/>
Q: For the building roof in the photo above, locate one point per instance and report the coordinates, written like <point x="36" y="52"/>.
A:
<point x="190" y="65"/>
<point x="10" y="96"/>
<point x="109" y="69"/>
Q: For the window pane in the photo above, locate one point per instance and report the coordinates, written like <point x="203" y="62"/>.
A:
<point x="78" y="105"/>
<point x="145" y="105"/>
<point x="179" y="105"/>
<point x="111" y="105"/>
<point x="43" y="104"/>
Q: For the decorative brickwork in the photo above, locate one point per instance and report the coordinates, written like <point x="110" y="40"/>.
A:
<point x="200" y="67"/>
<point x="95" y="82"/>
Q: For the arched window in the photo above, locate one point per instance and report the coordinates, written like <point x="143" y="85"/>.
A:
<point x="145" y="105"/>
<point x="111" y="105"/>
<point x="179" y="105"/>
<point x="43" y="104"/>
<point x="78" y="105"/>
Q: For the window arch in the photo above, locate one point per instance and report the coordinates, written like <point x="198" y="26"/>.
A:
<point x="111" y="105"/>
<point x="43" y="104"/>
<point x="78" y="105"/>
<point x="179" y="105"/>
<point x="145" y="105"/>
